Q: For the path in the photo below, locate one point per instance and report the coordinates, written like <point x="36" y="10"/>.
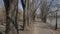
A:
<point x="41" y="28"/>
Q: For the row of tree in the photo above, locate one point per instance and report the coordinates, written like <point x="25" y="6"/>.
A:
<point x="45" y="10"/>
<point x="29" y="9"/>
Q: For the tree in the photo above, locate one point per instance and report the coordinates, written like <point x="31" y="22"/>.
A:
<point x="25" y="13"/>
<point x="10" y="7"/>
<point x="44" y="9"/>
<point x="7" y="4"/>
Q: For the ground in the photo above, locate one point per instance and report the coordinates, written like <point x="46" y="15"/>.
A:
<point x="37" y="27"/>
<point x="43" y="28"/>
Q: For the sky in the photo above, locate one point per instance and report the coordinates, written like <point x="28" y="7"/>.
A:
<point x="1" y="4"/>
<point x="20" y="5"/>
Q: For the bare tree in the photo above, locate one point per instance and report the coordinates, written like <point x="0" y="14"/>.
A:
<point x="44" y="9"/>
<point x="25" y="13"/>
<point x="23" y="4"/>
<point x="10" y="8"/>
<point x="7" y="4"/>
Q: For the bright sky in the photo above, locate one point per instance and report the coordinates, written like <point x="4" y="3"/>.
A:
<point x="20" y="5"/>
<point x="1" y="4"/>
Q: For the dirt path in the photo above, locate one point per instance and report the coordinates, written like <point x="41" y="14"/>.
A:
<point x="41" y="28"/>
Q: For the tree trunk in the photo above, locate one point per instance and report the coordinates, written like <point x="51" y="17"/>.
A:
<point x="44" y="19"/>
<point x="10" y="8"/>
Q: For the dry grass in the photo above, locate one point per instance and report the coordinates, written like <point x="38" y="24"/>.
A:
<point x="2" y="14"/>
<point x="2" y="17"/>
